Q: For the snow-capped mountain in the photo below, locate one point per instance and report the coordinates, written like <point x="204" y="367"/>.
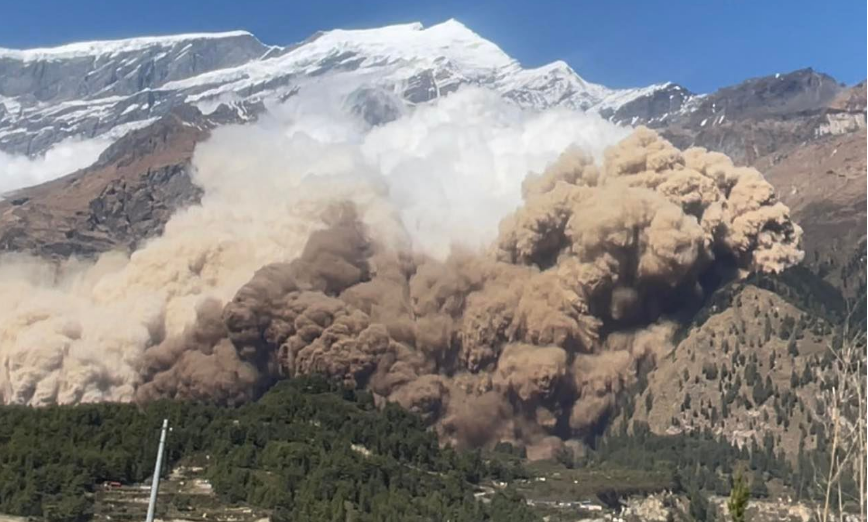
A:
<point x="109" y="88"/>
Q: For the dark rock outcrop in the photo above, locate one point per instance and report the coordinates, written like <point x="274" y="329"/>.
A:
<point x="126" y="197"/>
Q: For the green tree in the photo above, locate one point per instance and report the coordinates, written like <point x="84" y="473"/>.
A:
<point x="698" y="505"/>
<point x="792" y="348"/>
<point x="710" y="370"/>
<point x="70" y="508"/>
<point x="787" y="326"/>
<point x="565" y="456"/>
<point x="738" y="499"/>
<point x="509" y="506"/>
<point x="685" y="405"/>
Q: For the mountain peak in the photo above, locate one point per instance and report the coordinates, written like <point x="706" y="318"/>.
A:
<point x="125" y="84"/>
<point x="412" y="42"/>
<point x="454" y="26"/>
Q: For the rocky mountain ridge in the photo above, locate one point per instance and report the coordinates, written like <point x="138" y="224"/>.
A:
<point x="768" y="115"/>
<point x="110" y="88"/>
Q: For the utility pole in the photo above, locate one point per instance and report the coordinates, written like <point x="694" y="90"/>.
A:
<point x="155" y="482"/>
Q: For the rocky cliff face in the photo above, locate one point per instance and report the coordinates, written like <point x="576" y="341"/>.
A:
<point x="104" y="88"/>
<point x="126" y="197"/>
<point x="120" y="68"/>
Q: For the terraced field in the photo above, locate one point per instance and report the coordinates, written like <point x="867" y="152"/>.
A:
<point x="185" y="495"/>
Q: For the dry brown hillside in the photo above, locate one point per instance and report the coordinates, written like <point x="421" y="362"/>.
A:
<point x="824" y="183"/>
<point x="745" y="373"/>
<point x="127" y="196"/>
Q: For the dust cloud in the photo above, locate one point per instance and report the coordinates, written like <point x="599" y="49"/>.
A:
<point x="418" y="260"/>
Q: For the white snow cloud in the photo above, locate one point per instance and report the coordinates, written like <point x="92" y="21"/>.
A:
<point x="20" y="171"/>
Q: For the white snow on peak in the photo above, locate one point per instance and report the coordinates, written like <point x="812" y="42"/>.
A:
<point x="394" y="53"/>
<point x="615" y="98"/>
<point x="450" y="40"/>
<point x="556" y="70"/>
<point x="412" y="62"/>
<point x="110" y="47"/>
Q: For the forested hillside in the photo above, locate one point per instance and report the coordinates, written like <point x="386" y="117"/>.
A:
<point x="760" y="367"/>
<point x="306" y="450"/>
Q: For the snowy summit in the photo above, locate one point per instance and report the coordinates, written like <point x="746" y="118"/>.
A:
<point x="108" y="88"/>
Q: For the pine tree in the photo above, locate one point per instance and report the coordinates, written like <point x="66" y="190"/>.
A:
<point x="738" y="499"/>
<point x="698" y="504"/>
<point x="807" y="375"/>
<point x="792" y="346"/>
<point x="786" y="328"/>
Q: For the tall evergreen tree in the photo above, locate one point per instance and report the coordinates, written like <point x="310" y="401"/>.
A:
<point x="739" y="497"/>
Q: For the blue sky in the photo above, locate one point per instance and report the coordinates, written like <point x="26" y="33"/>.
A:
<point x="701" y="44"/>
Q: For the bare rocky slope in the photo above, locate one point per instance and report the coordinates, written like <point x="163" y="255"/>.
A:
<point x="768" y="115"/>
<point x="127" y="196"/>
<point x="823" y="183"/>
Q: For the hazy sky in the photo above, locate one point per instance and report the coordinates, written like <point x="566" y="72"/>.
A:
<point x="701" y="44"/>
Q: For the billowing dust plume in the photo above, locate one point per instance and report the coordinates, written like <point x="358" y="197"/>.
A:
<point x="444" y="173"/>
<point x="531" y="342"/>
<point x="357" y="256"/>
